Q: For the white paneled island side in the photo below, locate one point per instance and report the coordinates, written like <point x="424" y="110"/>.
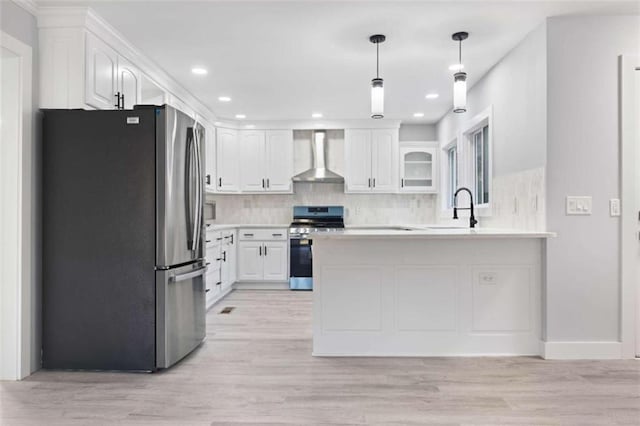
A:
<point x="427" y="292"/>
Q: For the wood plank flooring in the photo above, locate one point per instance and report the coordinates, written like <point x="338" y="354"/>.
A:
<point x="256" y="368"/>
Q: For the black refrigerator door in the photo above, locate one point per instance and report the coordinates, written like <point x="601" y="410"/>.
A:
<point x="99" y="239"/>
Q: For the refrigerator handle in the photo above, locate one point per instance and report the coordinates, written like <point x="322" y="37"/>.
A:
<point x="191" y="200"/>
<point x="188" y="275"/>
<point x="199" y="187"/>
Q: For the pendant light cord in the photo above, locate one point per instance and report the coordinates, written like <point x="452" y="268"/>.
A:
<point x="460" y="52"/>
<point x="377" y="60"/>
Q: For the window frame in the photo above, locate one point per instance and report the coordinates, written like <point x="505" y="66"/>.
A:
<point x="476" y="124"/>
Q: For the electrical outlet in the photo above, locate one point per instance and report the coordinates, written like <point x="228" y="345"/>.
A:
<point x="614" y="207"/>
<point x="579" y="205"/>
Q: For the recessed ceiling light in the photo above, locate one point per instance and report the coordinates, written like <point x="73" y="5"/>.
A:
<point x="217" y="123"/>
<point x="418" y="114"/>
<point x="456" y="67"/>
<point x="316" y="115"/>
<point x="199" y="71"/>
<point x="432" y="96"/>
<point x="250" y="126"/>
<point x="224" y="99"/>
<point x="240" y="116"/>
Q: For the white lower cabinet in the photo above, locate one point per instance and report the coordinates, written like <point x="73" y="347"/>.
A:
<point x="263" y="255"/>
<point x="221" y="263"/>
<point x="276" y="256"/>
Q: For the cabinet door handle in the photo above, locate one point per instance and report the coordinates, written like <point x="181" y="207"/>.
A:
<point x="207" y="290"/>
<point x="268" y="185"/>
<point x="401" y="183"/>
<point x="263" y="183"/>
<point x="276" y="235"/>
<point x="219" y="282"/>
<point x="260" y="250"/>
<point x="224" y="256"/>
<point x="220" y="182"/>
<point x="374" y="182"/>
<point x="208" y="179"/>
<point x="208" y="241"/>
<point x="122" y="99"/>
<point x="231" y="238"/>
<point x="248" y="235"/>
<point x="117" y="104"/>
<point x="219" y="239"/>
<point x="265" y="250"/>
<point x="369" y="184"/>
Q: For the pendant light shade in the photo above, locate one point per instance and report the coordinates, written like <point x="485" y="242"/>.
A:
<point x="377" y="84"/>
<point x="377" y="98"/>
<point x="460" y="92"/>
<point x="460" y="77"/>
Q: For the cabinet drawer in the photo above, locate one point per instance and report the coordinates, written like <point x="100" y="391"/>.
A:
<point x="263" y="234"/>
<point x="213" y="238"/>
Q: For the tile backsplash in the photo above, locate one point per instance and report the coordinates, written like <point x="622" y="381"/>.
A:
<point x="360" y="209"/>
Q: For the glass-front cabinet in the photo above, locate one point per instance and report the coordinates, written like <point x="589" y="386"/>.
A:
<point x="418" y="167"/>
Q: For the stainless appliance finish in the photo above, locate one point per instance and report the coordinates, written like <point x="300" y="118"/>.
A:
<point x="180" y="317"/>
<point x="319" y="172"/>
<point x="306" y="221"/>
<point x="180" y="188"/>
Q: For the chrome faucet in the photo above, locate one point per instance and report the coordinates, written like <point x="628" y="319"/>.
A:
<point x="472" y="218"/>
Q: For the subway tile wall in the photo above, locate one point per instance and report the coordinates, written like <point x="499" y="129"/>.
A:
<point x="360" y="209"/>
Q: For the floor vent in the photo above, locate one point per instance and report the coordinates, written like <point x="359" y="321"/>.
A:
<point x="227" y="310"/>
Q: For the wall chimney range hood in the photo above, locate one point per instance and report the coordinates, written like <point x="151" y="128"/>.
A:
<point x="319" y="173"/>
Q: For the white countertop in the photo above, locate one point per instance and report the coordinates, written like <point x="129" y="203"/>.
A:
<point x="212" y="226"/>
<point x="428" y="232"/>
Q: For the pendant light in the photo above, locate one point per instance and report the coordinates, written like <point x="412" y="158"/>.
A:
<point x="460" y="77"/>
<point x="377" y="88"/>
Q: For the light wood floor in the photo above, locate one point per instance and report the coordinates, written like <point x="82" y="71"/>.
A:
<point x="256" y="368"/>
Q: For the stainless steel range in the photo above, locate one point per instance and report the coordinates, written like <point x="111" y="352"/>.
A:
<point x="306" y="221"/>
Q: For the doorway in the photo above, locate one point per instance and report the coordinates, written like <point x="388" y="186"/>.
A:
<point x="16" y="309"/>
<point x="630" y="194"/>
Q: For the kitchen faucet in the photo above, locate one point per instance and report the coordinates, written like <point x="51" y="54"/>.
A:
<point x="472" y="218"/>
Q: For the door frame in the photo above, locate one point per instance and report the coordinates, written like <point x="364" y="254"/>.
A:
<point x="629" y="143"/>
<point x="17" y="305"/>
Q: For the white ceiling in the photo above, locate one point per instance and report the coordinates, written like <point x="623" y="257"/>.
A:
<point x="285" y="60"/>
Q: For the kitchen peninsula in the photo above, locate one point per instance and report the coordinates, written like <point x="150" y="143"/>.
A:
<point x="427" y="292"/>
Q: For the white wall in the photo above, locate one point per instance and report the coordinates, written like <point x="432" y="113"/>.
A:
<point x="418" y="132"/>
<point x="515" y="88"/>
<point x="583" y="276"/>
<point x="21" y="25"/>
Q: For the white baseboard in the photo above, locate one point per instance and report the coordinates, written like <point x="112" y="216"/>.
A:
<point x="581" y="350"/>
<point x="261" y="285"/>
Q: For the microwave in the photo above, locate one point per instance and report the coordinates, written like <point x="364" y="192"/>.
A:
<point x="209" y="208"/>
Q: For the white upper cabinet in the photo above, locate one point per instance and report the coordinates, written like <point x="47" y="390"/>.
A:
<point x="418" y="167"/>
<point x="384" y="160"/>
<point x="371" y="157"/>
<point x="227" y="160"/>
<point x="279" y="155"/>
<point x="129" y="83"/>
<point x="252" y="161"/>
<point x="358" y="160"/>
<point x="266" y="160"/>
<point x="110" y="80"/>
<point x="101" y="78"/>
<point x="210" y="158"/>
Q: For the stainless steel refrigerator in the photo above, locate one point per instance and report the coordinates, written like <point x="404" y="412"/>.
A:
<point x="123" y="253"/>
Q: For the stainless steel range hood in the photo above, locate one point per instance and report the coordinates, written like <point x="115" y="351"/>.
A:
<point x="319" y="173"/>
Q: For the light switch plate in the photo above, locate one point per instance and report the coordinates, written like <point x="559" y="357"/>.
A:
<point x="579" y="205"/>
<point x="614" y="207"/>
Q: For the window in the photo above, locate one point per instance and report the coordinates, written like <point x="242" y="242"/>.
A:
<point x="481" y="154"/>
<point x="452" y="170"/>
